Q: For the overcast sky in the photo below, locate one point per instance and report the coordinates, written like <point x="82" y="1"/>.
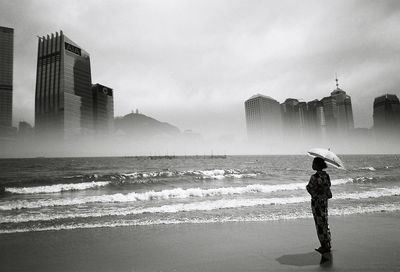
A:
<point x="194" y="63"/>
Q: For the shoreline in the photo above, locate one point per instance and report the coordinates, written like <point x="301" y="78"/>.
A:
<point x="360" y="242"/>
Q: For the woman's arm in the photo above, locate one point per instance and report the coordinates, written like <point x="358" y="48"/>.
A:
<point x="312" y="186"/>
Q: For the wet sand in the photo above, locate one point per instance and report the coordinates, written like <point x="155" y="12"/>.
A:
<point x="360" y="243"/>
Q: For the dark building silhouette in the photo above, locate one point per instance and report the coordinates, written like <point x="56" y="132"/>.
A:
<point x="294" y="116"/>
<point x="290" y="115"/>
<point x="338" y="111"/>
<point x="263" y="118"/>
<point x="64" y="100"/>
<point x="6" y="81"/>
<point x="386" y="113"/>
<point x="315" y="118"/>
<point x="103" y="109"/>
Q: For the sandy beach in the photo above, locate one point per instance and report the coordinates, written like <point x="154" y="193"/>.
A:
<point x="360" y="243"/>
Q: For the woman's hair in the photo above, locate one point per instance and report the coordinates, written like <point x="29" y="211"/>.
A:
<point x="318" y="164"/>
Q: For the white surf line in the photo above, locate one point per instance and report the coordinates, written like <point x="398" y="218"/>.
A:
<point x="196" y="206"/>
<point x="177" y="193"/>
<point x="56" y="188"/>
<point x="294" y="216"/>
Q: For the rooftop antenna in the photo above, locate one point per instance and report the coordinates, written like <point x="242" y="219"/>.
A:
<point x="337" y="82"/>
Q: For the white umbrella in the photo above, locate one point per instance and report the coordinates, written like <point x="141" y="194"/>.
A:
<point x="327" y="156"/>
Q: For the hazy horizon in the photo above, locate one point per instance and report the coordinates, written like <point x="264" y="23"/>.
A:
<point x="194" y="63"/>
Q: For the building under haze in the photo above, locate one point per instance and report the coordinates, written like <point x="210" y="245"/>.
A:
<point x="386" y="113"/>
<point x="64" y="100"/>
<point x="6" y="80"/>
<point x="103" y="109"/>
<point x="338" y="111"/>
<point x="293" y="116"/>
<point x="315" y="118"/>
<point x="263" y="118"/>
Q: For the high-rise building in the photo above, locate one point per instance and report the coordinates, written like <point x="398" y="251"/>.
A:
<point x="315" y="120"/>
<point x="263" y="118"/>
<point x="338" y="111"/>
<point x="6" y="79"/>
<point x="386" y="113"/>
<point x="103" y="109"/>
<point x="290" y="115"/>
<point x="64" y="100"/>
<point x="330" y="113"/>
<point x="294" y="117"/>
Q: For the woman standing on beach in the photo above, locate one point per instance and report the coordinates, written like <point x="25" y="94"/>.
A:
<point x="319" y="189"/>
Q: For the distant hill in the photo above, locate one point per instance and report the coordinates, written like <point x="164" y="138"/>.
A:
<point x="138" y="125"/>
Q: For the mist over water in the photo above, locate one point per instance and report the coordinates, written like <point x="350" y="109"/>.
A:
<point x="355" y="142"/>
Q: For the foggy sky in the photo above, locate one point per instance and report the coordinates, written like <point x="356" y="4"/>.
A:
<point x="194" y="63"/>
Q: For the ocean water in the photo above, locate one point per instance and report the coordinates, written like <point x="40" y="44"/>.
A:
<point x="44" y="194"/>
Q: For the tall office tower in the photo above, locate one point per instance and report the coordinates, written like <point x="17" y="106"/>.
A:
<point x="386" y="113"/>
<point x="103" y="109"/>
<point x="6" y="79"/>
<point x="291" y="116"/>
<point x="64" y="100"/>
<point x="315" y="118"/>
<point x="330" y="112"/>
<point x="345" y="119"/>
<point x="263" y="118"/>
<point x="338" y="111"/>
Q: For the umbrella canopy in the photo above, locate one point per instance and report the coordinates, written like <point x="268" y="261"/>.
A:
<point x="328" y="156"/>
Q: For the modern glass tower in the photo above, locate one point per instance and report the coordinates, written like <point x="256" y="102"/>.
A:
<point x="103" y="109"/>
<point x="64" y="101"/>
<point x="6" y="78"/>
<point x="386" y="113"/>
<point x="263" y="118"/>
<point x="338" y="111"/>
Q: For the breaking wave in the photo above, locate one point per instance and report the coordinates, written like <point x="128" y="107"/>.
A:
<point x="56" y="188"/>
<point x="200" y="174"/>
<point x="223" y="219"/>
<point x="95" y="180"/>
<point x="177" y="193"/>
<point x="370" y="168"/>
<point x="196" y="206"/>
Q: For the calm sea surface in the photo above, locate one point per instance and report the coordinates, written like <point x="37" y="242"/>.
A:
<point x="67" y="193"/>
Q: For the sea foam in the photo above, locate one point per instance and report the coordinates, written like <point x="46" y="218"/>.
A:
<point x="56" y="188"/>
<point x="177" y="193"/>
<point x="208" y="205"/>
<point x="220" y="219"/>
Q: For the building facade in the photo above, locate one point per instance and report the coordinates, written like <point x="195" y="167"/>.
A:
<point x="338" y="111"/>
<point x="315" y="118"/>
<point x="290" y="116"/>
<point x="6" y="79"/>
<point x="263" y="118"/>
<point x="386" y="113"/>
<point x="64" y="100"/>
<point x="103" y="109"/>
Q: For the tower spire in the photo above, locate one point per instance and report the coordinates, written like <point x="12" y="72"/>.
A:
<point x="337" y="82"/>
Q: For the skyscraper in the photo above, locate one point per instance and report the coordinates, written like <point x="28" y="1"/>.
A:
<point x="291" y="116"/>
<point x="386" y="113"/>
<point x="263" y="118"/>
<point x="315" y="119"/>
<point x="338" y="111"/>
<point x="6" y="79"/>
<point x="64" y="100"/>
<point x="330" y="113"/>
<point x="103" y="109"/>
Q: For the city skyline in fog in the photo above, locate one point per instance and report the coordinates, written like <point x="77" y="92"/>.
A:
<point x="193" y="64"/>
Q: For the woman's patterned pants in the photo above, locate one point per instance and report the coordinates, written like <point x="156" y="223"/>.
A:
<point x="320" y="212"/>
